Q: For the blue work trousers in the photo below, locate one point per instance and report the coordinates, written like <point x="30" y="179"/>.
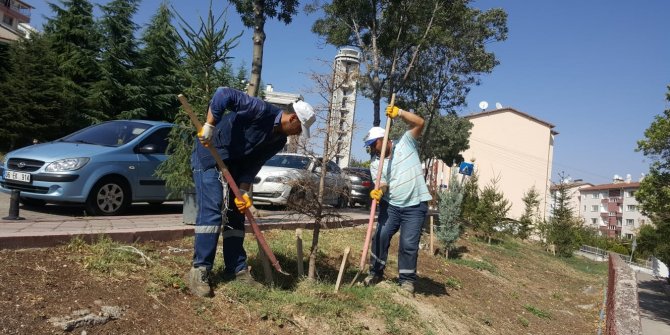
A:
<point x="209" y="199"/>
<point x="409" y="220"/>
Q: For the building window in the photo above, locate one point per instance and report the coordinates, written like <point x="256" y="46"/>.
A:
<point x="641" y="221"/>
<point x="629" y="236"/>
<point x="8" y="20"/>
<point x="594" y="221"/>
<point x="612" y="213"/>
<point x="585" y="208"/>
<point x="630" y="194"/>
<point x="630" y="208"/>
<point x="594" y="195"/>
<point x="594" y="208"/>
<point x="630" y="222"/>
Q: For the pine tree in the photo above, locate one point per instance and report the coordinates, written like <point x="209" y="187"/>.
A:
<point x="449" y="229"/>
<point x="75" y="38"/>
<point x="530" y="216"/>
<point x="119" y="94"/>
<point x="161" y="61"/>
<point x="206" y="50"/>
<point x="563" y="225"/>
<point x="29" y="105"/>
<point x="491" y="210"/>
<point x="470" y="197"/>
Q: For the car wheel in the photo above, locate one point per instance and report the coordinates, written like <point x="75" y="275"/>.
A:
<point x="109" y="196"/>
<point x="296" y="198"/>
<point x="30" y="202"/>
<point x="343" y="199"/>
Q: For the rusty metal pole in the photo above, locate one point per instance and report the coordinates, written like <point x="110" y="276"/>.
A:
<point x="14" y="206"/>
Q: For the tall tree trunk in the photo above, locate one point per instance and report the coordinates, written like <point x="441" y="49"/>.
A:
<point x="257" y="57"/>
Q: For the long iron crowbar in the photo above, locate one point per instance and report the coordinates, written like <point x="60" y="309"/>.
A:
<point x="373" y="208"/>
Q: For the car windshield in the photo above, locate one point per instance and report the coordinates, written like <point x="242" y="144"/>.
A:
<point x="112" y="134"/>
<point x="289" y="161"/>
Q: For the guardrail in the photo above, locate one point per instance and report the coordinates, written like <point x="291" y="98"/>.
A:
<point x="647" y="264"/>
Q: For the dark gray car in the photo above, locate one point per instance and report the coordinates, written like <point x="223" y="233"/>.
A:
<point x="361" y="185"/>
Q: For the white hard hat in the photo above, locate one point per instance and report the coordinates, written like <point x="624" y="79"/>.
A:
<point x="305" y="114"/>
<point x="373" y="134"/>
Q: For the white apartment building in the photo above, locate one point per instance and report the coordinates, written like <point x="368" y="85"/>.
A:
<point x="612" y="208"/>
<point x="573" y="189"/>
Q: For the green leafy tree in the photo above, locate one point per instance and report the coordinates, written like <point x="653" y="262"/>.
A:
<point x="531" y="213"/>
<point x="76" y="40"/>
<point x="30" y="105"/>
<point x="407" y="35"/>
<point x="449" y="229"/>
<point x="119" y="93"/>
<point x="491" y="211"/>
<point x="563" y="225"/>
<point x="206" y="50"/>
<point x="254" y="14"/>
<point x="161" y="61"/>
<point x="654" y="192"/>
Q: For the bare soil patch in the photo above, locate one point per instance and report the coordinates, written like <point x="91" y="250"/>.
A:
<point x="507" y="288"/>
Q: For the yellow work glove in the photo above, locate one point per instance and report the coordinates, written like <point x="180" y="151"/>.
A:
<point x="393" y="111"/>
<point x="205" y="134"/>
<point x="244" y="204"/>
<point x="376" y="194"/>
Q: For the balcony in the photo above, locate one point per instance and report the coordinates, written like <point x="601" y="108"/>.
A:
<point x="613" y="207"/>
<point x="17" y="9"/>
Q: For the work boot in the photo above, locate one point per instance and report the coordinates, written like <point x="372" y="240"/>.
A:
<point x="407" y="286"/>
<point x="372" y="279"/>
<point x="199" y="282"/>
<point x="244" y="276"/>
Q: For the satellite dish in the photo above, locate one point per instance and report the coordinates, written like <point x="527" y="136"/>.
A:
<point x="483" y="104"/>
<point x="498" y="105"/>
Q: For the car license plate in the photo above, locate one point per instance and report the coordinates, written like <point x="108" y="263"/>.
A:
<point x="17" y="176"/>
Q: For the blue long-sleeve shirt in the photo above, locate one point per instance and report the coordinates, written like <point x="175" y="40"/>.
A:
<point x="244" y="138"/>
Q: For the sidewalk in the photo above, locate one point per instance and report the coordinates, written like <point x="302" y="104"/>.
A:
<point x="56" y="225"/>
<point x="654" y="297"/>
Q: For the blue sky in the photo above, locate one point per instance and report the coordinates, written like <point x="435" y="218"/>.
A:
<point x="598" y="70"/>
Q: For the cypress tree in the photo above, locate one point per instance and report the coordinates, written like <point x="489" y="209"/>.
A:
<point x="450" y="203"/>
<point x="75" y="38"/>
<point x="29" y="105"/>
<point x="119" y="94"/>
<point x="161" y="61"/>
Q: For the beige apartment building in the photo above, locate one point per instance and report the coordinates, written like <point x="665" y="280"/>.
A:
<point x="517" y="150"/>
<point x="612" y="208"/>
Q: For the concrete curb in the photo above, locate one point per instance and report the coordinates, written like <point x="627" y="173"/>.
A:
<point x="53" y="239"/>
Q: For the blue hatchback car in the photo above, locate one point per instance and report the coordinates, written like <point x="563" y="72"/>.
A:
<point x="105" y="167"/>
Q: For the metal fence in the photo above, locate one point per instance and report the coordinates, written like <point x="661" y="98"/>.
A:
<point x="647" y="264"/>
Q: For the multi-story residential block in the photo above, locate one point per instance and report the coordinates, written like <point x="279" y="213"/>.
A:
<point x="573" y="192"/>
<point x="517" y="150"/>
<point x="612" y="208"/>
<point x="15" y="17"/>
<point x="283" y="100"/>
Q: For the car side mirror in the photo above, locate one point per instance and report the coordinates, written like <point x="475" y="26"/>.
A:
<point x="147" y="149"/>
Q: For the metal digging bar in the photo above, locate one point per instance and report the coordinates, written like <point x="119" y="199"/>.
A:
<point x="233" y="186"/>
<point x="373" y="208"/>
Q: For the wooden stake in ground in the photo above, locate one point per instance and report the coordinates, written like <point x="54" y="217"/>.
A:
<point x="342" y="266"/>
<point x="298" y="245"/>
<point x="263" y="245"/>
<point x="432" y="249"/>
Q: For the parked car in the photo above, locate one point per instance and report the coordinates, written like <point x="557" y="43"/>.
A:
<point x="360" y="183"/>
<point x="277" y="183"/>
<point x="105" y="167"/>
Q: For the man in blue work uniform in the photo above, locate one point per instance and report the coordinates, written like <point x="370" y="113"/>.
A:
<point x="402" y="196"/>
<point x="245" y="138"/>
